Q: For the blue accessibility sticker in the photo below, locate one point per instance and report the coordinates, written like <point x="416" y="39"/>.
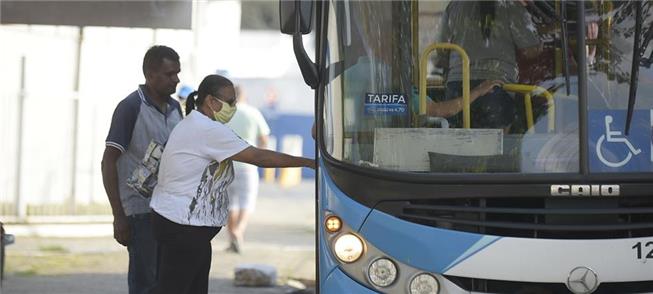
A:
<point x="385" y="104"/>
<point x="611" y="150"/>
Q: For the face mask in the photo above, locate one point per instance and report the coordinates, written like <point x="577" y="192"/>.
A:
<point x="226" y="112"/>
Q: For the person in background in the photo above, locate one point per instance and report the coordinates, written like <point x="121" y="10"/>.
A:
<point x="142" y="120"/>
<point x="182" y="94"/>
<point x="190" y="203"/>
<point x="249" y="125"/>
<point x="270" y="109"/>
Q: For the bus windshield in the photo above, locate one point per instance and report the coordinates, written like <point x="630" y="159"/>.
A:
<point x="485" y="86"/>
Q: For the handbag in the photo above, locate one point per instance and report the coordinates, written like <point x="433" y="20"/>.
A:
<point x="145" y="175"/>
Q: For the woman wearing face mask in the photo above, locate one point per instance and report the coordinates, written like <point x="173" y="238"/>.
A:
<point x="190" y="203"/>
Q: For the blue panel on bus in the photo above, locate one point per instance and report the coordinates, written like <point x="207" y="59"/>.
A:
<point x="334" y="200"/>
<point x="611" y="150"/>
<point x="427" y="248"/>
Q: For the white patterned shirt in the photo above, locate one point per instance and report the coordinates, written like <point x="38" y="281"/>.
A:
<point x="195" y="172"/>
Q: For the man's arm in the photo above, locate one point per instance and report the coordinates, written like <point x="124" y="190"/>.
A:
<point x="110" y="179"/>
<point x="267" y="158"/>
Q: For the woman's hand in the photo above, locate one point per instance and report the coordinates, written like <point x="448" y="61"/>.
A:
<point x="310" y="163"/>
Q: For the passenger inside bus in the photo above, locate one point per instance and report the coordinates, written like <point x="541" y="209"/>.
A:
<point x="492" y="33"/>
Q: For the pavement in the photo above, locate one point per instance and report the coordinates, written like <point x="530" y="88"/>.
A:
<point x="54" y="259"/>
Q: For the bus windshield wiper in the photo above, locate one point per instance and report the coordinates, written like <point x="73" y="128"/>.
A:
<point x="634" y="72"/>
<point x="562" y="22"/>
<point x="563" y="38"/>
<point x="646" y="62"/>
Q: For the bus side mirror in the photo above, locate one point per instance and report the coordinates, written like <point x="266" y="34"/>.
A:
<point x="295" y="17"/>
<point x="288" y="20"/>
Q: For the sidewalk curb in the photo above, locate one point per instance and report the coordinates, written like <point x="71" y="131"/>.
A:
<point x="70" y="230"/>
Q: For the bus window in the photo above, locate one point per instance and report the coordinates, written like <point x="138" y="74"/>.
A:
<point x="523" y="101"/>
<point x="373" y="86"/>
<point x="609" y="83"/>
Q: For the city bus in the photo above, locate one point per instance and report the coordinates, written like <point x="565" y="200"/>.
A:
<point x="412" y="199"/>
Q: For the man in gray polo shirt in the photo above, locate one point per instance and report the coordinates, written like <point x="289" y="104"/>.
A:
<point x="141" y="122"/>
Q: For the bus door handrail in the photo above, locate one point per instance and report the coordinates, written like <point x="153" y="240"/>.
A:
<point x="529" y="91"/>
<point x="423" y="63"/>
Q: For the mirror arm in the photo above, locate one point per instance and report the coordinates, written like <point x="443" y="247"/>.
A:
<point x="306" y="65"/>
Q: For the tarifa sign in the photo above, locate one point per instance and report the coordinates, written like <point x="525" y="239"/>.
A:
<point x="386" y="104"/>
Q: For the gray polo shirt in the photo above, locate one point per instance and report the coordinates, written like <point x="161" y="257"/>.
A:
<point x="495" y="58"/>
<point x="135" y="123"/>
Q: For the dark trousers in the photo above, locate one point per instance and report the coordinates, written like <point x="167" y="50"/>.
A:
<point x="142" y="254"/>
<point x="184" y="256"/>
<point x="494" y="110"/>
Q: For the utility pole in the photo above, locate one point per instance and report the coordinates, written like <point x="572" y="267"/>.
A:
<point x="73" y="159"/>
<point x="21" y="207"/>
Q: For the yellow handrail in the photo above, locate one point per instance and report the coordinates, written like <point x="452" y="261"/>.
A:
<point x="528" y="91"/>
<point x="423" y="62"/>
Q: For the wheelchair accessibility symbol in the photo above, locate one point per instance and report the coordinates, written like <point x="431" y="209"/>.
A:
<point x="615" y="137"/>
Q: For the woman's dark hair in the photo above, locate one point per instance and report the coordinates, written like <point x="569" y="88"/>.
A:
<point x="210" y="85"/>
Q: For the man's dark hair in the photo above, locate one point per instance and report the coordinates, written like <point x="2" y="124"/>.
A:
<point x="155" y="55"/>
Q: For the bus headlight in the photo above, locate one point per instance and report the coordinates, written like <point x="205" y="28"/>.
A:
<point x="348" y="248"/>
<point x="333" y="224"/>
<point x="424" y="284"/>
<point x="382" y="272"/>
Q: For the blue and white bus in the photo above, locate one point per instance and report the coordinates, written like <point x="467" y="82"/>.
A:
<point x="557" y="200"/>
